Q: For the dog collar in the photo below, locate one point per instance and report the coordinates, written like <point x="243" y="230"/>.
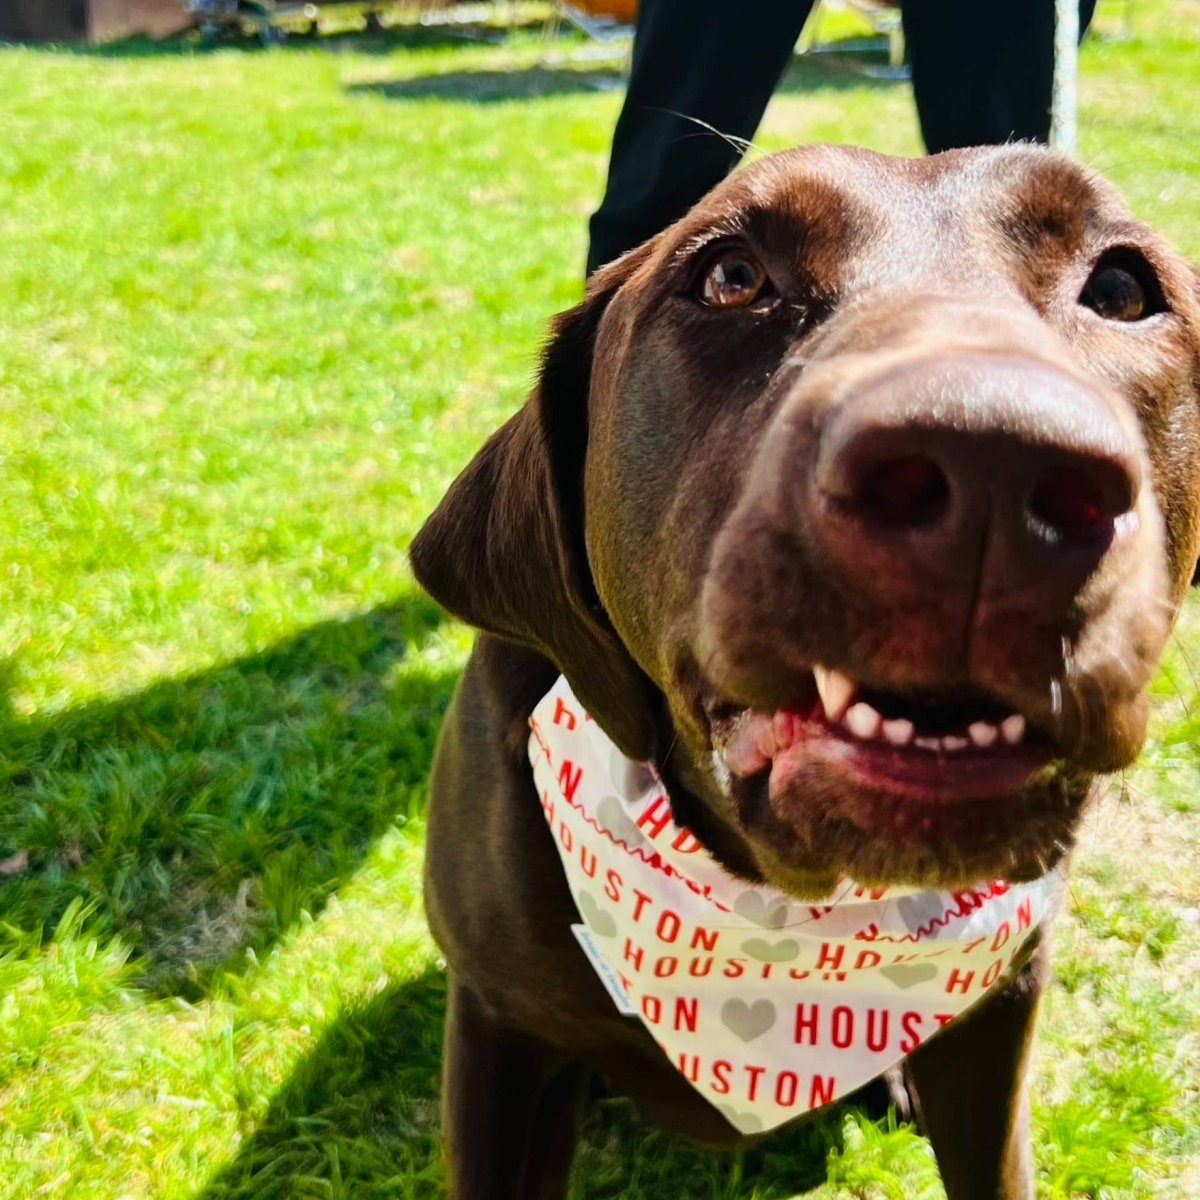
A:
<point x="769" y="1006"/>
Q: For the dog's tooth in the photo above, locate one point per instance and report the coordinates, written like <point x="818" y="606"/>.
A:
<point x="862" y="720"/>
<point x="928" y="743"/>
<point x="899" y="732"/>
<point x="982" y="734"/>
<point x="1013" y="728"/>
<point x="836" y="692"/>
<point x="952" y="743"/>
<point x="821" y="675"/>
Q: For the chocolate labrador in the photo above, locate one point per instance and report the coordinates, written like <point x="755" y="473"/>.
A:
<point x="859" y="504"/>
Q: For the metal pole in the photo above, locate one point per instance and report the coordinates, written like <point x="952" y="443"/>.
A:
<point x="1066" y="75"/>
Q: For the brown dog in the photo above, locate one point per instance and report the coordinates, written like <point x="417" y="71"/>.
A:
<point x="900" y="457"/>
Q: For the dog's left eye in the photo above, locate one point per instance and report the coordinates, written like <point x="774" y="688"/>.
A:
<point x="1122" y="288"/>
<point x="733" y="279"/>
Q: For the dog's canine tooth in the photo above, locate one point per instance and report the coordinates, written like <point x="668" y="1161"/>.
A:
<point x="862" y="720"/>
<point x="899" y="732"/>
<point x="982" y="734"/>
<point x="953" y="743"/>
<point x="1013" y="728"/>
<point x="836" y="692"/>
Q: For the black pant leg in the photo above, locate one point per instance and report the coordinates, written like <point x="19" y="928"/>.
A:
<point x="714" y="60"/>
<point x="983" y="70"/>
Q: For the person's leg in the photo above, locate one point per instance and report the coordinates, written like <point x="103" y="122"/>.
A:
<point x="983" y="70"/>
<point x="706" y="60"/>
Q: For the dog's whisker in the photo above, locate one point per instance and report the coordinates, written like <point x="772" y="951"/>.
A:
<point x="1172" y="680"/>
<point x="740" y="144"/>
<point x="670" y="747"/>
<point x="1182" y="650"/>
<point x="1079" y="705"/>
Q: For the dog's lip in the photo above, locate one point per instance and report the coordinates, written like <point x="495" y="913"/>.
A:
<point x="965" y="748"/>
<point x="914" y="773"/>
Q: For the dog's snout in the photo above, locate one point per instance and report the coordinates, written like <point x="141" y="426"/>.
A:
<point x="1008" y="468"/>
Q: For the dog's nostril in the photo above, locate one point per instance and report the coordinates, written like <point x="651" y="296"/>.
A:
<point x="1078" y="504"/>
<point x="910" y="490"/>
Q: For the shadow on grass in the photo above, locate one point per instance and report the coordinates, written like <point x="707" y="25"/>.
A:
<point x="359" y="1118"/>
<point x="359" y="1115"/>
<point x="809" y="73"/>
<point x="832" y="70"/>
<point x="489" y="87"/>
<point x="201" y="816"/>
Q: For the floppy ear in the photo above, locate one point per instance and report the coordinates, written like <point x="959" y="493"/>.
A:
<point x="505" y="552"/>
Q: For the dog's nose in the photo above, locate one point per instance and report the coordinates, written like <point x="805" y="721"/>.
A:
<point x="1009" y="473"/>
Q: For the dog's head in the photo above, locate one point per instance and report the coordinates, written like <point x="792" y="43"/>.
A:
<point x="862" y="500"/>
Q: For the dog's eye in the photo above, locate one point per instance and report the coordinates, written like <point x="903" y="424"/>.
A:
<point x="1122" y="287"/>
<point x="733" y="279"/>
<point x="1115" y="294"/>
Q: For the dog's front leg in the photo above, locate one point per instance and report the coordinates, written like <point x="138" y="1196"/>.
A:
<point x="510" y="1108"/>
<point x="970" y="1094"/>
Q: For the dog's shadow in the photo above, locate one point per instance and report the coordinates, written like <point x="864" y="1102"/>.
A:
<point x="359" y="1118"/>
<point x="198" y="819"/>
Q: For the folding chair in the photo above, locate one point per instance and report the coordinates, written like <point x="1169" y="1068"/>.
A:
<point x="608" y="24"/>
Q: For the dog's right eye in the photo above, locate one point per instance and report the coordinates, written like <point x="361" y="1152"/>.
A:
<point x="1123" y="287"/>
<point x="733" y="279"/>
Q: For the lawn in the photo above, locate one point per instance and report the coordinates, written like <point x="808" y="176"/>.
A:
<point x="259" y="308"/>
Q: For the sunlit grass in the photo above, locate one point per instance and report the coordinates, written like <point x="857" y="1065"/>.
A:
<point x="258" y="309"/>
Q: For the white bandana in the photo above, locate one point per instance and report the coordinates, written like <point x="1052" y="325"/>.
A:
<point x="769" y="1006"/>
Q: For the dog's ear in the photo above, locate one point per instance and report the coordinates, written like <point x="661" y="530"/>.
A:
<point x="505" y="550"/>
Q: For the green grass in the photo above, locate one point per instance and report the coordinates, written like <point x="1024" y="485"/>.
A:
<point x="258" y="309"/>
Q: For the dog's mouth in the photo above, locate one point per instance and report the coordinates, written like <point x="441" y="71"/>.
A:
<point x="918" y="787"/>
<point x="923" y="745"/>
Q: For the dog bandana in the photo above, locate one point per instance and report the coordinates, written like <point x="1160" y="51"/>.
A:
<point x="769" y="1006"/>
